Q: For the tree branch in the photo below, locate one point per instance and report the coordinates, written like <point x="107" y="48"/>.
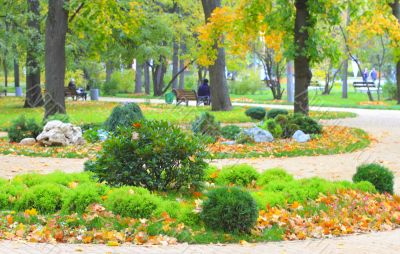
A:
<point x="76" y="12"/>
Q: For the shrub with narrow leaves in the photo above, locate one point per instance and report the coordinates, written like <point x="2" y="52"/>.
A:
<point x="381" y="177"/>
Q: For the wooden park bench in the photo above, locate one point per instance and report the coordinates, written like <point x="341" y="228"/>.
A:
<point x="363" y="84"/>
<point x="73" y="94"/>
<point x="189" y="95"/>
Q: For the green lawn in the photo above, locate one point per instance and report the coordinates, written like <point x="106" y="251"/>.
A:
<point x="83" y="112"/>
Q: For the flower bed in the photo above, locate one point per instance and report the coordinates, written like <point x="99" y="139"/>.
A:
<point x="333" y="140"/>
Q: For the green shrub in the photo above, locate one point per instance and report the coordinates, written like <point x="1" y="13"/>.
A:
<point x="110" y="88"/>
<point x="242" y="175"/>
<point x="57" y="177"/>
<point x="256" y="113"/>
<point x="45" y="198"/>
<point x="59" y="117"/>
<point x="211" y="173"/>
<point x="264" y="198"/>
<point x="275" y="112"/>
<point x="134" y="202"/>
<point x="230" y="131"/>
<point x="91" y="135"/>
<point x="229" y="210"/>
<point x="23" y="128"/>
<point x="274" y="128"/>
<point x="248" y="85"/>
<point x="123" y="80"/>
<point x="123" y="116"/>
<point x="381" y="177"/>
<point x="205" y="124"/>
<point x="81" y="197"/>
<point x="153" y="154"/>
<point x="291" y="123"/>
<point x="272" y="175"/>
<point x="243" y="138"/>
<point x="189" y="217"/>
<point x="365" y="186"/>
<point x="389" y="90"/>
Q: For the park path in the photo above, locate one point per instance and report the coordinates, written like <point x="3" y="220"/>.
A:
<point x="382" y="124"/>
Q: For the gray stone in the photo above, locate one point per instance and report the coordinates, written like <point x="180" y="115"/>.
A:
<point x="259" y="135"/>
<point x="28" y="141"/>
<point x="301" y="137"/>
<point x="57" y="133"/>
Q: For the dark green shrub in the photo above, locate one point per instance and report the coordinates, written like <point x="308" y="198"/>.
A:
<point x="306" y="124"/>
<point x="229" y="210"/>
<point x="274" y="128"/>
<point x="389" y="90"/>
<point x="91" y="135"/>
<point x="256" y="113"/>
<point x="242" y="138"/>
<point x="275" y="112"/>
<point x="60" y="117"/>
<point x="110" y="87"/>
<point x="134" y="202"/>
<point x="272" y="175"/>
<point x="124" y="116"/>
<point x="23" y="128"/>
<point x="230" y="131"/>
<point x="45" y="198"/>
<point x="81" y="197"/>
<point x="206" y="124"/>
<point x="153" y="154"/>
<point x="381" y="177"/>
<point x="242" y="175"/>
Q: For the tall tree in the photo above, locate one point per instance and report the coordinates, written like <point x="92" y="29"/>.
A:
<point x="303" y="73"/>
<point x="175" y="63"/>
<point x="33" y="90"/>
<point x="146" y="73"/>
<point x="396" y="12"/>
<point x="56" y="30"/>
<point x="138" y="77"/>
<point x="220" y="100"/>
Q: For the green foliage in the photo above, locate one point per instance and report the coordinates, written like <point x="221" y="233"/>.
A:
<point x="60" y="117"/>
<point x="45" y="198"/>
<point x="123" y="116"/>
<point x="205" y="124"/>
<point x="23" y="128"/>
<point x="91" y="135"/>
<point x="389" y="90"/>
<point x="210" y="173"/>
<point x="56" y="177"/>
<point x="242" y="138"/>
<point x="274" y="128"/>
<point x="230" y="131"/>
<point x="242" y="175"/>
<point x="153" y="154"/>
<point x="256" y="113"/>
<point x="246" y="86"/>
<point x="275" y="112"/>
<point x="81" y="197"/>
<point x="229" y="210"/>
<point x="124" y="80"/>
<point x="134" y="202"/>
<point x="291" y="123"/>
<point x="272" y="175"/>
<point x="381" y="177"/>
<point x="110" y="88"/>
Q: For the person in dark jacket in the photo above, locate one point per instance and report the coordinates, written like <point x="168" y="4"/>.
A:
<point x="374" y="75"/>
<point x="204" y="93"/>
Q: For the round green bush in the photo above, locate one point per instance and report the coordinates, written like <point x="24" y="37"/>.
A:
<point x="205" y="124"/>
<point x="134" y="202"/>
<point x="152" y="154"/>
<point x="381" y="177"/>
<point x="306" y="124"/>
<point x="257" y="113"/>
<point x="273" y="175"/>
<point x="45" y="198"/>
<point x="230" y="131"/>
<point x="275" y="112"/>
<point x="123" y="116"/>
<point x="273" y="127"/>
<point x="82" y="196"/>
<point x="242" y="175"/>
<point x="229" y="210"/>
<point x="23" y="128"/>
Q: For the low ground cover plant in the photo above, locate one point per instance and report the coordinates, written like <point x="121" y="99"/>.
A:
<point x="23" y="128"/>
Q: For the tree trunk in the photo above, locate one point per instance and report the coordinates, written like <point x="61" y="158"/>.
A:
<point x="33" y="90"/>
<point x="290" y="82"/>
<point x="56" y="29"/>
<point x="219" y="88"/>
<point x="109" y="70"/>
<point x="5" y="68"/>
<point x="158" y="76"/>
<point x="303" y="73"/>
<point x="396" y="12"/>
<point x="16" y="72"/>
<point x="175" y="64"/>
<point x="138" y="77"/>
<point x="181" y="66"/>
<point x="146" y="73"/>
<point x="345" y="85"/>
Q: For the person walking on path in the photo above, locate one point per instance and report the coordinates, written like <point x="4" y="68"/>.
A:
<point x="374" y="75"/>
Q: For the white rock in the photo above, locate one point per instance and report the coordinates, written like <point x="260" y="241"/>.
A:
<point x="28" y="141"/>
<point x="301" y="137"/>
<point x="57" y="133"/>
<point x="259" y="135"/>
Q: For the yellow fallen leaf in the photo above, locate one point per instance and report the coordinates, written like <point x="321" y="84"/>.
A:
<point x="112" y="243"/>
